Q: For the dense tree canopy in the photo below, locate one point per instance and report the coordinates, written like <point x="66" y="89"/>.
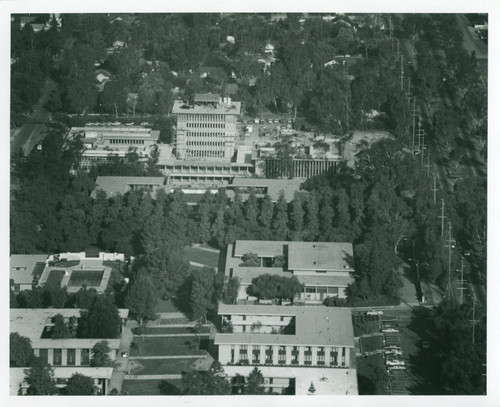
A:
<point x="21" y="352"/>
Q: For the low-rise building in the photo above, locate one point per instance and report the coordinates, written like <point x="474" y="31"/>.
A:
<point x="25" y="270"/>
<point x="66" y="356"/>
<point x="293" y="347"/>
<point x="76" y="270"/>
<point x="324" y="268"/>
<point x="103" y="142"/>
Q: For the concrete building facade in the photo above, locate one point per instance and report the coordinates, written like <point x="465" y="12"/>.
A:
<point x="290" y="345"/>
<point x="207" y="129"/>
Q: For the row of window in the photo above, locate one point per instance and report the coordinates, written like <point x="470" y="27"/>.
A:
<point x="205" y="154"/>
<point x="198" y="134"/>
<point x="269" y="354"/>
<point x="205" y="117"/>
<point x="209" y="125"/>
<point x="71" y="357"/>
<point x="207" y="143"/>
<point x="127" y="141"/>
<point x="322" y="290"/>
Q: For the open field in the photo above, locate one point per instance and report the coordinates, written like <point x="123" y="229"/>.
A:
<point x="162" y="346"/>
<point x="201" y="256"/>
<point x="164" y="366"/>
<point x="145" y="387"/>
<point x="371" y="343"/>
<point x="90" y="278"/>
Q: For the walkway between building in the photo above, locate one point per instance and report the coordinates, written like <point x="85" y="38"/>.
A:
<point x="193" y="263"/>
<point x="122" y="361"/>
<point x="173" y="335"/>
<point x="170" y="357"/>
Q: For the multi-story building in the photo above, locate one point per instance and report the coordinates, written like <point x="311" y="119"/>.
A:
<point x="103" y="142"/>
<point x="206" y="130"/>
<point x="66" y="356"/>
<point x="324" y="268"/>
<point x="293" y="347"/>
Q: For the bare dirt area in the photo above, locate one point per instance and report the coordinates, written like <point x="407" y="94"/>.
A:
<point x="360" y="140"/>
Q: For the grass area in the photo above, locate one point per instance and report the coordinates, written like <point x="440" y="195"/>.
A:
<point x="373" y="302"/>
<point x="198" y="255"/>
<point x="165" y="366"/>
<point x="372" y="375"/>
<point x="54" y="279"/>
<point x="365" y="324"/>
<point x="90" y="278"/>
<point x="173" y="321"/>
<point x="145" y="387"/>
<point x="372" y="343"/>
<point x="167" y="306"/>
<point x="67" y="263"/>
<point x="161" y="346"/>
<point x="174" y="330"/>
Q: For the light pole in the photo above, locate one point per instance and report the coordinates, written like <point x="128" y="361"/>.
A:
<point x="417" y="267"/>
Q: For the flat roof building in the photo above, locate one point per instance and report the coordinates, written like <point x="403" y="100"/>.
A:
<point x="291" y="346"/>
<point x="66" y="356"/>
<point x="103" y="142"/>
<point x="206" y="130"/>
<point x="25" y="269"/>
<point x="324" y="268"/>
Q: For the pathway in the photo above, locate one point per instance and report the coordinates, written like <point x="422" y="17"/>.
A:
<point x="173" y="335"/>
<point x="193" y="263"/>
<point x="153" y="377"/>
<point x="119" y="372"/>
<point x="169" y="357"/>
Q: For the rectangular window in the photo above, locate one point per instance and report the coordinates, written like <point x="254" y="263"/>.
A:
<point x="282" y="319"/>
<point x="85" y="357"/>
<point x="44" y="355"/>
<point x="244" y="317"/>
<point x="282" y="355"/>
<point x="256" y="355"/>
<point x="57" y="357"/>
<point x="333" y="290"/>
<point x="310" y="290"/>
<point x="333" y="358"/>
<point x="269" y="354"/>
<point x="71" y="357"/>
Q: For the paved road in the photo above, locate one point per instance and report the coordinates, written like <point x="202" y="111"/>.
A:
<point x="31" y="132"/>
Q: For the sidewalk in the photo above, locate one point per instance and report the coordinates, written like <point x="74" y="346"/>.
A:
<point x="119" y="372"/>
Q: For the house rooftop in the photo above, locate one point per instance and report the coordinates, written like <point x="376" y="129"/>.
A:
<point x="206" y="98"/>
<point x="24" y="266"/>
<point x="320" y="256"/>
<point x="273" y="186"/>
<point x="234" y="108"/>
<point x="31" y="323"/>
<point x="264" y="248"/>
<point x="314" y="326"/>
<point x="114" y="185"/>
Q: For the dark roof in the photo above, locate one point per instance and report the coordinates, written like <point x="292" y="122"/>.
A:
<point x="206" y="97"/>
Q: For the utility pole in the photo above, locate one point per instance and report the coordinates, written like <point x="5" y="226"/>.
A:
<point x="449" y="246"/>
<point x="390" y="32"/>
<point x="428" y="165"/>
<point x="402" y="77"/>
<point x="413" y="137"/>
<point x="442" y="213"/>
<point x="462" y="287"/>
<point x="422" y="150"/>
<point x="473" y="320"/>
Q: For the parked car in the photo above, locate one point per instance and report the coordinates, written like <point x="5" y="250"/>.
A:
<point x="394" y="362"/>
<point x="393" y="352"/>
<point x="396" y="368"/>
<point x="390" y="330"/>
<point x="393" y="347"/>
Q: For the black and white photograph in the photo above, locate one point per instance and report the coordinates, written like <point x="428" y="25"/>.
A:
<point x="261" y="202"/>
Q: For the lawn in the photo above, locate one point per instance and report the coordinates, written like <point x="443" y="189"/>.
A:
<point x="372" y="343"/>
<point x="161" y="346"/>
<point x="167" y="306"/>
<point x="373" y="302"/>
<point x="54" y="279"/>
<point x="201" y="256"/>
<point x="174" y="330"/>
<point x="172" y="321"/>
<point x="90" y="278"/>
<point x="165" y="366"/>
<point x="365" y="324"/>
<point x="67" y="263"/>
<point x="145" y="387"/>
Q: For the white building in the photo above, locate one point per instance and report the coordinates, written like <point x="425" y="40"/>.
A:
<point x="291" y="346"/>
<point x="322" y="267"/>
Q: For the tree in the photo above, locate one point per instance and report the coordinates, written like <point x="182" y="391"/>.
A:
<point x="21" y="352"/>
<point x="142" y="298"/>
<point x="230" y="294"/>
<point x="102" y="320"/>
<point x="205" y="383"/>
<point x="100" y="355"/>
<point x="297" y="219"/>
<point x="84" y="297"/>
<point x="250" y="260"/>
<point x="60" y="329"/>
<point x="280" y="220"/>
<point x="202" y="292"/>
<point x="269" y="287"/>
<point x="255" y="383"/>
<point x="80" y="385"/>
<point x="40" y="378"/>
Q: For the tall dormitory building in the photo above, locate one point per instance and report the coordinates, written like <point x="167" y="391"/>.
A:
<point x="206" y="130"/>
